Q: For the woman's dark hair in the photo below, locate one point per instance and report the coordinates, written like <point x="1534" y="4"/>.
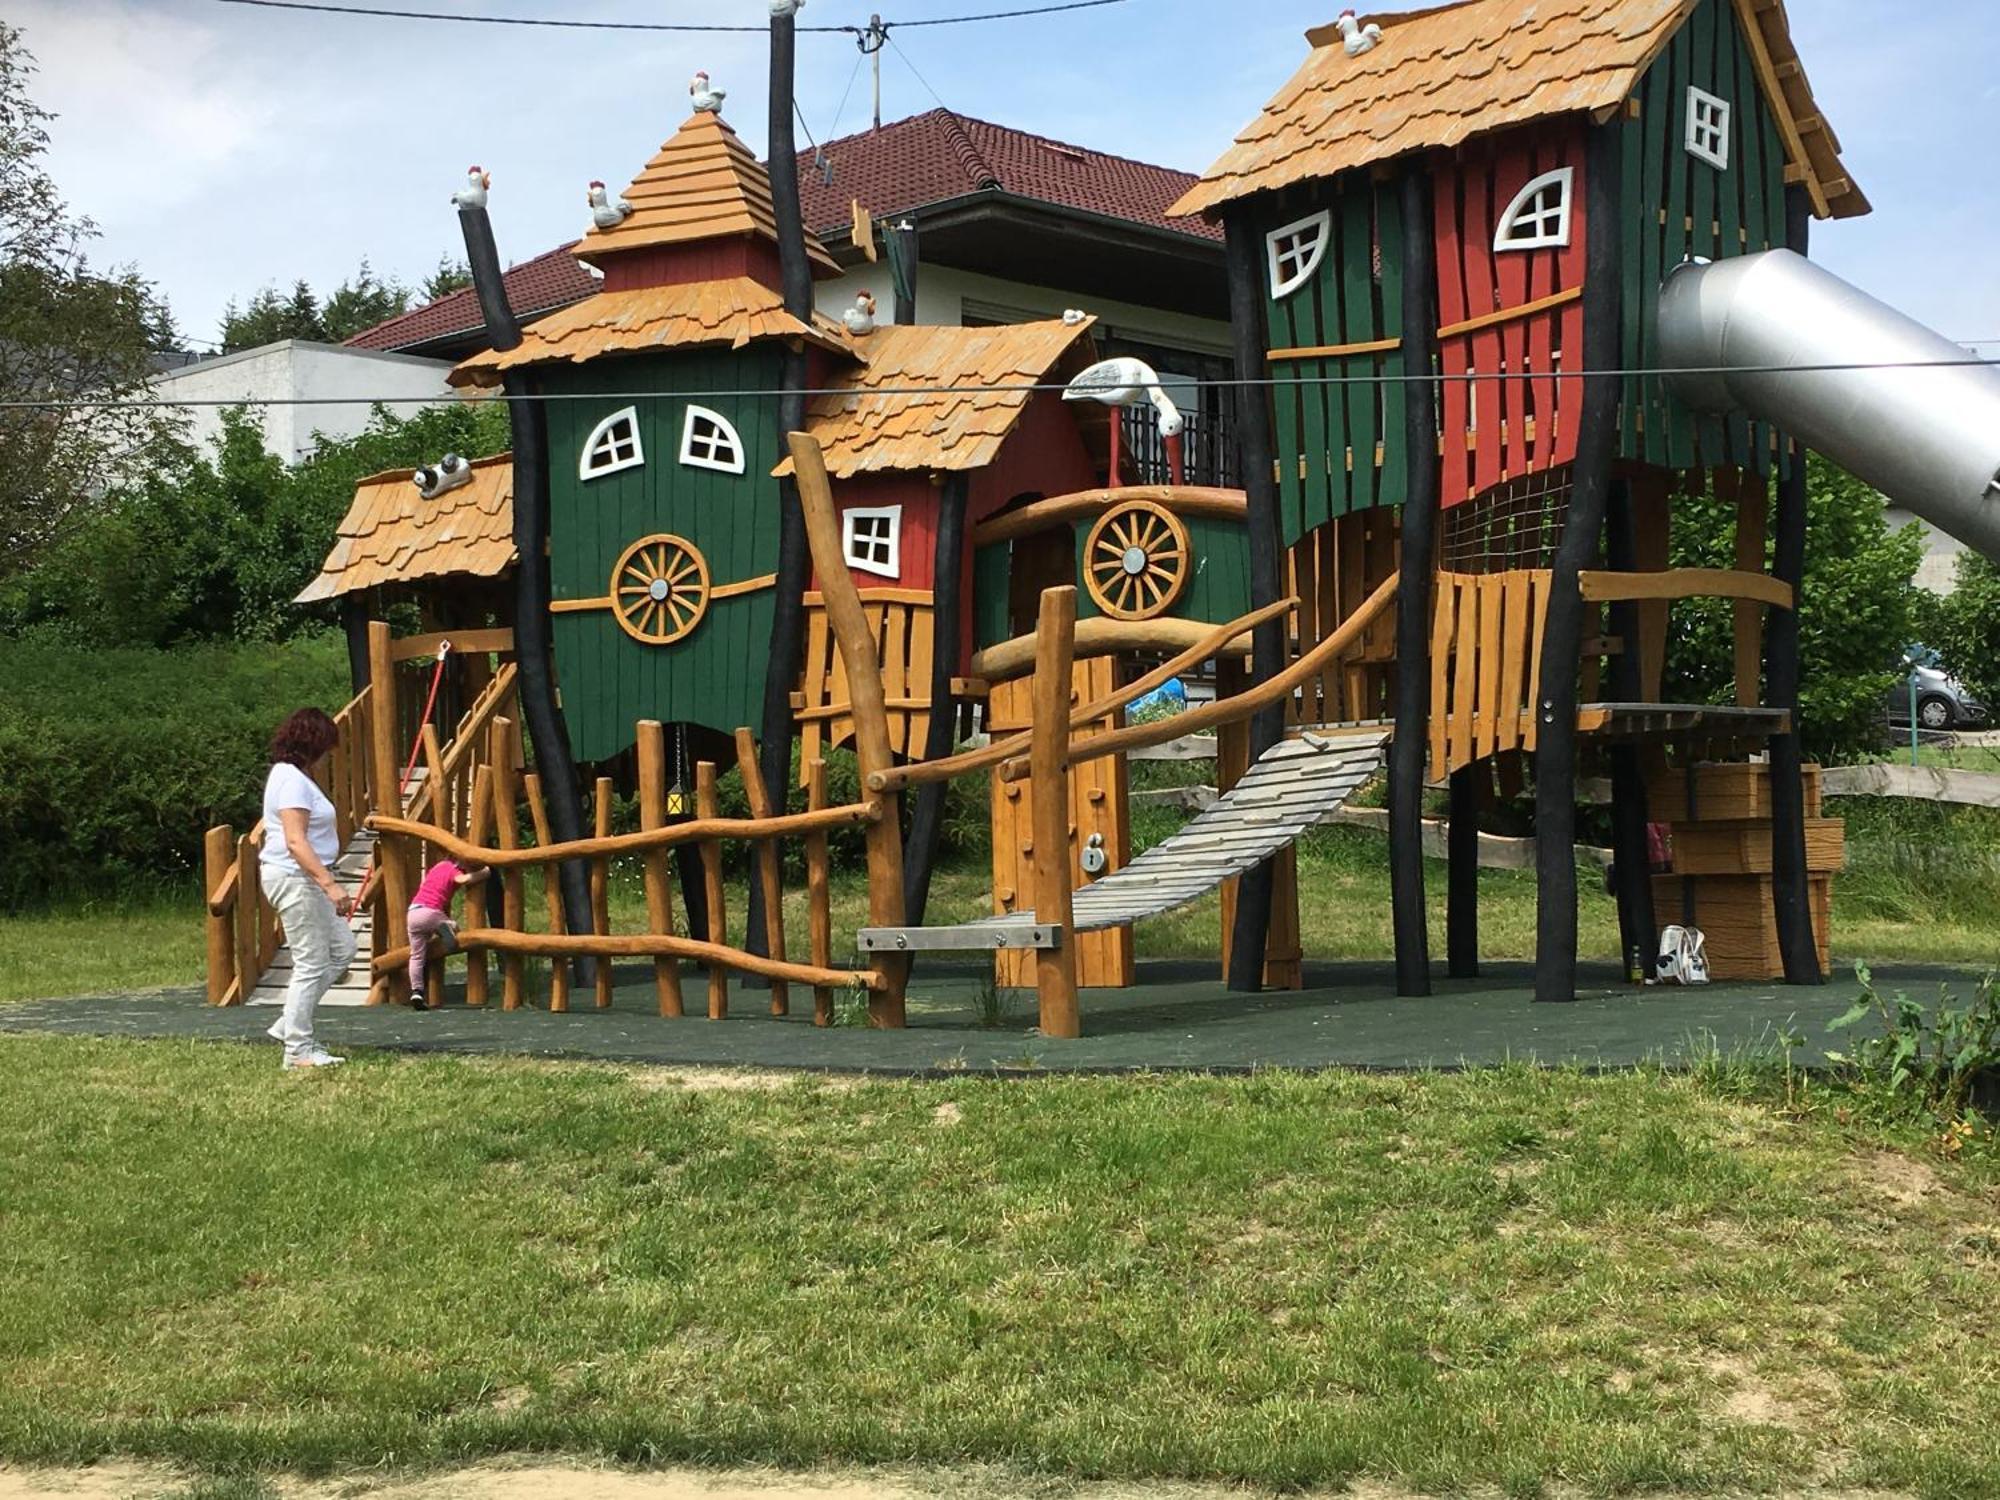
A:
<point x="304" y="738"/>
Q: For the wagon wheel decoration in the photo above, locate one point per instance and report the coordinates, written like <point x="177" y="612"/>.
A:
<point x="659" y="589"/>
<point x="1136" y="561"/>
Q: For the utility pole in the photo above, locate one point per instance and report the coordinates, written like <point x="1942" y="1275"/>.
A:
<point x="873" y="40"/>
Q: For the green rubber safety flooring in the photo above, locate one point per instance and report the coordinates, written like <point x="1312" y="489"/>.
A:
<point x="1178" y="1017"/>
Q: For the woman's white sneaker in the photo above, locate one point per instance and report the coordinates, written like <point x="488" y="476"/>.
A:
<point x="318" y="1057"/>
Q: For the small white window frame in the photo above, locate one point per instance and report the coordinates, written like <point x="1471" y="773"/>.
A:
<point x="601" y="441"/>
<point x="1699" y="129"/>
<point x="893" y="514"/>
<point x="1283" y="284"/>
<point x="1555" y="238"/>
<point x="724" y="429"/>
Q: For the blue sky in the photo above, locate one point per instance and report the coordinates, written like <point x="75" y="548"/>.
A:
<point x="222" y="148"/>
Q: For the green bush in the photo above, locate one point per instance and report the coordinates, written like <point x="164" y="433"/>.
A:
<point x="114" y="762"/>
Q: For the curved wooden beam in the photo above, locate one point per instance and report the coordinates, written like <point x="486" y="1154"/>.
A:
<point x="986" y="757"/>
<point x="1684" y="583"/>
<point x="1099" y="636"/>
<point x="563" y="945"/>
<point x="692" y="832"/>
<point x="1207" y="716"/>
<point x="1181" y="499"/>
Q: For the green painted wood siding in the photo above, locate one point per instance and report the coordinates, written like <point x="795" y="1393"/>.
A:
<point x="1677" y="205"/>
<point x="715" y="674"/>
<point x="1327" y="434"/>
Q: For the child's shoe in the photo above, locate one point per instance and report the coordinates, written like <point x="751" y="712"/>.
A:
<point x="417" y="1001"/>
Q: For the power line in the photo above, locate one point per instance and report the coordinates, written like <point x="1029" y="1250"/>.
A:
<point x="403" y="398"/>
<point x="389" y="12"/>
<point x="891" y="40"/>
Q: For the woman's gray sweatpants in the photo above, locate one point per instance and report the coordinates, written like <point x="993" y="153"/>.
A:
<point x="322" y="946"/>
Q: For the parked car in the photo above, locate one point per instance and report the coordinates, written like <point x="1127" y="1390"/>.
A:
<point x="1942" y="701"/>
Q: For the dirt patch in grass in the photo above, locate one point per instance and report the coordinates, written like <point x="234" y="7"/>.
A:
<point x="725" y="1080"/>
<point x="1903" y="1180"/>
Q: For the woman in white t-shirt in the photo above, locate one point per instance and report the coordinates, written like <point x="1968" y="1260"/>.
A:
<point x="301" y="845"/>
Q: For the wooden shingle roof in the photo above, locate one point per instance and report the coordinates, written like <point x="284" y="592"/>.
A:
<point x="876" y="424"/>
<point x="732" y="311"/>
<point x="391" y="534"/>
<point x="1441" y="76"/>
<point x="703" y="184"/>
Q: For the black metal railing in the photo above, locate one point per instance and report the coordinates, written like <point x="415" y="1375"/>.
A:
<point x="1208" y="449"/>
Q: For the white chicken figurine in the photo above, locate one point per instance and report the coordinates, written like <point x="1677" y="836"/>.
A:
<point x="860" y="318"/>
<point x="473" y="194"/>
<point x="787" y="7"/>
<point x="1357" y="38"/>
<point x="707" y="100"/>
<point x="1073" y="316"/>
<point x="607" y="212"/>
<point x="1126" y="382"/>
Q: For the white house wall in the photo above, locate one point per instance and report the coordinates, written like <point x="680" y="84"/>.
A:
<point x="301" y="388"/>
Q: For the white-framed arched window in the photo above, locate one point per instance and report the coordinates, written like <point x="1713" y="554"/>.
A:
<point x="1295" y="252"/>
<point x="709" y="442"/>
<point x="1708" y="128"/>
<point x="613" y="444"/>
<point x="1539" y="215"/>
<point x="871" y="539"/>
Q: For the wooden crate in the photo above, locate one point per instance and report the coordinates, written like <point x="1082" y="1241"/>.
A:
<point x="1743" y="847"/>
<point x="1737" y="914"/>
<point x="1726" y="791"/>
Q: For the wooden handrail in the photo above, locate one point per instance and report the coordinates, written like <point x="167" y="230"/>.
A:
<point x="1684" y="583"/>
<point x="692" y="832"/>
<point x="467" y="737"/>
<point x="1099" y="636"/>
<point x="1242" y="705"/>
<point x="1181" y="499"/>
<point x="642" y="945"/>
<point x="988" y="756"/>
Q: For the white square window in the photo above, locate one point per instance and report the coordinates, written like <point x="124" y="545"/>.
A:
<point x="872" y="540"/>
<point x="1296" y="251"/>
<point x="613" y="444"/>
<point x="1539" y="215"/>
<point x="1708" y="128"/>
<point x="709" y="442"/>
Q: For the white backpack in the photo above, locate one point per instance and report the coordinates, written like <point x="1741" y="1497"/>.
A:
<point x="1682" y="956"/>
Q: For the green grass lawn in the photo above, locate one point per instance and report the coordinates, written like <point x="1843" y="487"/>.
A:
<point x="1504" y="1278"/>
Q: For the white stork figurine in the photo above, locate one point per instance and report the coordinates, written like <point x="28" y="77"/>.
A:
<point x="1126" y="382"/>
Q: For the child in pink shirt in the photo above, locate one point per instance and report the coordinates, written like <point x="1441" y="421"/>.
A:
<point x="430" y="917"/>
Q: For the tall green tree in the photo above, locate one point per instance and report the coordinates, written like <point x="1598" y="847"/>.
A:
<point x="69" y="334"/>
<point x="1964" y="626"/>
<point x="1858" y="609"/>
<point x="273" y="316"/>
<point x="450" y="276"/>
<point x="362" y="301"/>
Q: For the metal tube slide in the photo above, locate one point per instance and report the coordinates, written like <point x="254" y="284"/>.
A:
<point x="1929" y="439"/>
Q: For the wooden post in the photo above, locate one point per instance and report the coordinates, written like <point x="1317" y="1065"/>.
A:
<point x="392" y="856"/>
<point x="1462" y="871"/>
<point x="600" y="892"/>
<point x="659" y="894"/>
<point x="218" y="857"/>
<point x="1752" y="502"/>
<point x="1632" y="852"/>
<point x="506" y="835"/>
<point x="707" y="805"/>
<point x="1243" y="264"/>
<point x="1407" y="903"/>
<point x="947" y="644"/>
<point x="1562" y="634"/>
<point x="819" y="901"/>
<point x="1048" y="761"/>
<point x="856" y="643"/>
<point x="552" y="888"/>
<point x="1789" y="882"/>
<point x="476" y="825"/>
<point x="246" y="917"/>
<point x="769" y="857"/>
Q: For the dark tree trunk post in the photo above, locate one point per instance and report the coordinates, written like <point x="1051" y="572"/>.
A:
<point x="1461" y="912"/>
<point x="1254" y="453"/>
<point x="1413" y="607"/>
<point x="1790" y="888"/>
<point x="1631" y="850"/>
<point x="354" y="624"/>
<point x="947" y="611"/>
<point x="534" y="644"/>
<point x="1562" y="638"/>
<point x="774" y="749"/>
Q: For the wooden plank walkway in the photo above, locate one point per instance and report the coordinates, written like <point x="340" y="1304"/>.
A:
<point x="352" y="987"/>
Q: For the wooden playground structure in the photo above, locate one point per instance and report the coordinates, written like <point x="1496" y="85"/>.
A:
<point x="1474" y="261"/>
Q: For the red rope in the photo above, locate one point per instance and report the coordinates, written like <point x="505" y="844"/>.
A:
<point x="409" y="767"/>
